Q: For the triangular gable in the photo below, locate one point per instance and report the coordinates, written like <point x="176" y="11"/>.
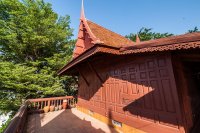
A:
<point x="86" y="39"/>
<point x="90" y="34"/>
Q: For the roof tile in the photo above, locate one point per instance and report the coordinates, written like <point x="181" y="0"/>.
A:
<point x="108" y="37"/>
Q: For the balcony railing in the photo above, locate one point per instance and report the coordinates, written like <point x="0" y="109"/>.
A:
<point x="40" y="105"/>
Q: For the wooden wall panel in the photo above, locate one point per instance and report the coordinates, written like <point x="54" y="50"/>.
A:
<point x="138" y="91"/>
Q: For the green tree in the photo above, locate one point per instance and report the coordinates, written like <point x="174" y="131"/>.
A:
<point x="146" y="34"/>
<point x="194" y="30"/>
<point x="34" y="44"/>
<point x="31" y="30"/>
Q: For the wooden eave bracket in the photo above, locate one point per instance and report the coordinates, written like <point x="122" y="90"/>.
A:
<point x="84" y="78"/>
<point x="96" y="73"/>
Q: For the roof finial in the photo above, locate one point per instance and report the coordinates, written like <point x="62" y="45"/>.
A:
<point x="82" y="11"/>
<point x="137" y="39"/>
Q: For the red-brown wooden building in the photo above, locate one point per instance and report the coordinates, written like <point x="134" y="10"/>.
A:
<point x="151" y="86"/>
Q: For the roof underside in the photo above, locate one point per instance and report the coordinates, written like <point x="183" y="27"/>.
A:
<point x="87" y="54"/>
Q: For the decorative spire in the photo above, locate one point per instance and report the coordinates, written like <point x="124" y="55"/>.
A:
<point x="82" y="11"/>
<point x="137" y="39"/>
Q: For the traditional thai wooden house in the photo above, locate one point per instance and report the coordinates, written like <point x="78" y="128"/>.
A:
<point x="151" y="86"/>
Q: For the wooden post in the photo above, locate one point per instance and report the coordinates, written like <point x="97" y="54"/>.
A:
<point x="49" y="102"/>
<point x="181" y="83"/>
<point x="42" y="105"/>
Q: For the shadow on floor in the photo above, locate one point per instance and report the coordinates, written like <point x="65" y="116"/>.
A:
<point x="69" y="121"/>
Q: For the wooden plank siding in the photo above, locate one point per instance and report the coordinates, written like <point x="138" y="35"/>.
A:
<point x="139" y="91"/>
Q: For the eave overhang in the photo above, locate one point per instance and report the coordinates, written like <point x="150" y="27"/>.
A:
<point x="182" y="42"/>
<point x="186" y="41"/>
<point x="96" y="49"/>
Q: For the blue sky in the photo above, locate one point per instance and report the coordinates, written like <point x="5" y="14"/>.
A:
<point x="128" y="16"/>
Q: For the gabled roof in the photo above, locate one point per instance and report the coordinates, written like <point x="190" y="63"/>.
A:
<point x="94" y="39"/>
<point x="91" y="34"/>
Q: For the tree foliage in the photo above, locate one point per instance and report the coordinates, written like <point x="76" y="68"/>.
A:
<point x="194" y="30"/>
<point x="147" y="34"/>
<point x="4" y="126"/>
<point x="31" y="30"/>
<point x="34" y="44"/>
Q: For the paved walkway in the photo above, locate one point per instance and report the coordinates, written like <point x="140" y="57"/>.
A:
<point x="66" y="121"/>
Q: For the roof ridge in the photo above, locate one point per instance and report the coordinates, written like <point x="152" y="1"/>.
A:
<point x="173" y="37"/>
<point x="188" y="37"/>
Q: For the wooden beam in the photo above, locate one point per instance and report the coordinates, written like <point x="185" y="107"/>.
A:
<point x="190" y="57"/>
<point x="83" y="77"/>
<point x="92" y="68"/>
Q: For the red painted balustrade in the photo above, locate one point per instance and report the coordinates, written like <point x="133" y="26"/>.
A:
<point x="17" y="123"/>
<point x="37" y="105"/>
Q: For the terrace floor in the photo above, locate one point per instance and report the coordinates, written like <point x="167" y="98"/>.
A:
<point x="65" y="121"/>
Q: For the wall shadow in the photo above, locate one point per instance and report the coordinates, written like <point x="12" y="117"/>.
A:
<point x="146" y="86"/>
<point x="137" y="109"/>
